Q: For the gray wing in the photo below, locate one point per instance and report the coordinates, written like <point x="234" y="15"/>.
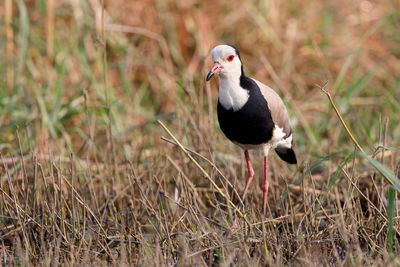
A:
<point x="277" y="107"/>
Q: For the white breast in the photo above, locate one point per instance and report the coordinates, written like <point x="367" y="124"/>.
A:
<point x="231" y="94"/>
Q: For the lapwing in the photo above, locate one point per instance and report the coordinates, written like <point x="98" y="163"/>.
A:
<point x="250" y="114"/>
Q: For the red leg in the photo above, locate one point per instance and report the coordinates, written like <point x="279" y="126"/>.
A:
<point x="250" y="173"/>
<point x="265" y="185"/>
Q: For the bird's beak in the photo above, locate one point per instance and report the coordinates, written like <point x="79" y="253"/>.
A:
<point x="216" y="68"/>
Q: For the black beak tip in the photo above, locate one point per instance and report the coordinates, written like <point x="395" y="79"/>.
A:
<point x="209" y="76"/>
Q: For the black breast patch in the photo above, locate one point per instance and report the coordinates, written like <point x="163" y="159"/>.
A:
<point x="253" y="123"/>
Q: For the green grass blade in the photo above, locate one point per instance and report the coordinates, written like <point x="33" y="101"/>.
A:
<point x="383" y="170"/>
<point x="390" y="211"/>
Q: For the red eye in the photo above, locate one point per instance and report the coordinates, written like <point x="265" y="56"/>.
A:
<point x="230" y="58"/>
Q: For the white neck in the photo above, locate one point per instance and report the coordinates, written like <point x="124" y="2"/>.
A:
<point x="231" y="94"/>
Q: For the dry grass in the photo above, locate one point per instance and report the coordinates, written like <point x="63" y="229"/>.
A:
<point x="89" y="177"/>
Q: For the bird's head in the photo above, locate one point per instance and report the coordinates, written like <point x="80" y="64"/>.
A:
<point x="226" y="61"/>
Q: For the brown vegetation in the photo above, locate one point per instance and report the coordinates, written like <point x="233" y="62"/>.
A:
<point x="88" y="176"/>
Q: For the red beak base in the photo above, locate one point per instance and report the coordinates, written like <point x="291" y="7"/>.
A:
<point x="216" y="68"/>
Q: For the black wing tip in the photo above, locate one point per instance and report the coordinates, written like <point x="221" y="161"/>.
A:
<point x="288" y="156"/>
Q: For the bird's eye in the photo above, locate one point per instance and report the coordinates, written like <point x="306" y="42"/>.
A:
<point x="230" y="58"/>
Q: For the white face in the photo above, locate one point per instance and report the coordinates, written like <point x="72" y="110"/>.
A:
<point x="230" y="62"/>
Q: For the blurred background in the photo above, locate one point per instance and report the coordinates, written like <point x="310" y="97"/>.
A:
<point x="72" y="71"/>
<point x="85" y="81"/>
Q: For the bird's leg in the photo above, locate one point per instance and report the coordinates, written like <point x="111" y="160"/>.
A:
<point x="250" y="173"/>
<point x="265" y="185"/>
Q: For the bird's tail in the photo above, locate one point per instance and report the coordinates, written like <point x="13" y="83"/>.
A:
<point x="287" y="155"/>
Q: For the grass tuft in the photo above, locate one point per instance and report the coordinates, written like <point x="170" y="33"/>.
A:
<point x="111" y="153"/>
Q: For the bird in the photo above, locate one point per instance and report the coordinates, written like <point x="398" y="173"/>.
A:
<point x="250" y="114"/>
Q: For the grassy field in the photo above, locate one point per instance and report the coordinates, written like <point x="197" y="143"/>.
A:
<point x="111" y="152"/>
